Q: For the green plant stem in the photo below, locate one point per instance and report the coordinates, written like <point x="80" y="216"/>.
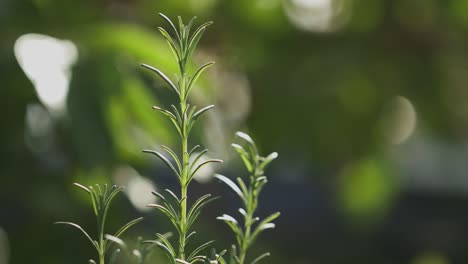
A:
<point x="100" y="223"/>
<point x="183" y="223"/>
<point x="250" y="207"/>
<point x="185" y="172"/>
<point x="101" y="258"/>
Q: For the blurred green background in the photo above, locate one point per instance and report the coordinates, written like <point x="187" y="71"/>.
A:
<point x="365" y="100"/>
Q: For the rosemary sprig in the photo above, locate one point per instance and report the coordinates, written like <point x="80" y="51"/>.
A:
<point x="101" y="199"/>
<point x="183" y="117"/>
<point x="247" y="233"/>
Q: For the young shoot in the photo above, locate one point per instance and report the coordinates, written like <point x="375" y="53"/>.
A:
<point x="252" y="226"/>
<point x="101" y="199"/>
<point x="185" y="163"/>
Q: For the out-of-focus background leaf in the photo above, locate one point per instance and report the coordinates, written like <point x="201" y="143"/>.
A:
<point x="365" y="100"/>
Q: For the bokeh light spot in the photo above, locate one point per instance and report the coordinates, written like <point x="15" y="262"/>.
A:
<point x="137" y="188"/>
<point x="47" y="61"/>
<point x="318" y="15"/>
<point x="430" y="258"/>
<point x="399" y="120"/>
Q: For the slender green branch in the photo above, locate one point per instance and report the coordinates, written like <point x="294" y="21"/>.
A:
<point x="248" y="232"/>
<point x="101" y="199"/>
<point x="183" y="119"/>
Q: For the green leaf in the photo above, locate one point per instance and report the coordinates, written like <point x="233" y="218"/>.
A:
<point x="181" y="28"/>
<point x="193" y="149"/>
<point x="173" y="195"/>
<point x="171" y="43"/>
<point x="199" y="249"/>
<point x="166" y="242"/>
<point x="173" y="218"/>
<point x="199" y="204"/>
<point x="242" y="212"/>
<point x="195" y="160"/>
<point x="245" y="137"/>
<point x="251" y="144"/>
<point x="116" y="240"/>
<point x="95" y="244"/>
<point x="271" y="218"/>
<point x="187" y="238"/>
<point x="245" y="156"/>
<point x="232" y="223"/>
<point x="267" y="160"/>
<point x="265" y="224"/>
<point x="171" y="117"/>
<point x="97" y="199"/>
<point x="233" y="255"/>
<point x="191" y="112"/>
<point x="219" y="257"/>
<point x="190" y="24"/>
<point x="242" y="185"/>
<point x="113" y="192"/>
<point x="163" y="76"/>
<point x="174" y="156"/>
<point x="107" y="202"/>
<point x="231" y="184"/>
<point x="165" y="160"/>
<point x="192" y="219"/>
<point x="166" y="250"/>
<point x="201" y="111"/>
<point x="82" y="187"/>
<point x="127" y="226"/>
<point x="192" y="174"/>
<point x="197" y="75"/>
<point x="172" y="25"/>
<point x="94" y="202"/>
<point x="264" y="255"/>
<point x="179" y="117"/>
<point x="165" y="112"/>
<point x="196" y="38"/>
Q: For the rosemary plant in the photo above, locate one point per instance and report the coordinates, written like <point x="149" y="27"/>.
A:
<point x="247" y="233"/>
<point x="140" y="252"/>
<point x="183" y="117"/>
<point x="101" y="199"/>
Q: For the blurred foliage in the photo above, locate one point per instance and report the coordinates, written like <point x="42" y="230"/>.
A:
<point x="317" y="87"/>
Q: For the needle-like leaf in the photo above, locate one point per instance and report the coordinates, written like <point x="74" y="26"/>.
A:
<point x="197" y="75"/>
<point x="127" y="226"/>
<point x="174" y="156"/>
<point x="199" y="249"/>
<point x="257" y="260"/>
<point x="194" y="172"/>
<point x="165" y="160"/>
<point x="171" y="24"/>
<point x="82" y="187"/>
<point x="231" y="184"/>
<point x="163" y="76"/>
<point x="82" y="231"/>
<point x="201" y="111"/>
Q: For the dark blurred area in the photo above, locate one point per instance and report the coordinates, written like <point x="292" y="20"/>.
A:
<point x="366" y="102"/>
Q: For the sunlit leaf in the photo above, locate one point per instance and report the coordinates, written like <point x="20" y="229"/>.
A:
<point x="231" y="184"/>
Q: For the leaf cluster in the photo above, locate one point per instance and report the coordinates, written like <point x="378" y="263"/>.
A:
<point x="182" y="46"/>
<point x="247" y="233"/>
<point x="140" y="252"/>
<point x="172" y="209"/>
<point x="101" y="199"/>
